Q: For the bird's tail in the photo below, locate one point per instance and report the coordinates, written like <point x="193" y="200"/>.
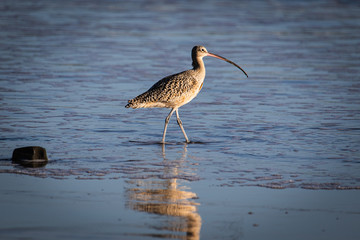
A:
<point x="141" y="101"/>
<point x="134" y="103"/>
<point x="130" y="103"/>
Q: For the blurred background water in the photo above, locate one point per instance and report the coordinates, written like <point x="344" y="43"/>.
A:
<point x="68" y="68"/>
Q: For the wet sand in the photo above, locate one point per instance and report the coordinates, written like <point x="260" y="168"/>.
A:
<point x="104" y="209"/>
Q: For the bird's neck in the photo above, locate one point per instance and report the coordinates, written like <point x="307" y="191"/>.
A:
<point x="199" y="68"/>
<point x="198" y="65"/>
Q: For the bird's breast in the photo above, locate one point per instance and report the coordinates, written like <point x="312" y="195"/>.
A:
<point x="189" y="95"/>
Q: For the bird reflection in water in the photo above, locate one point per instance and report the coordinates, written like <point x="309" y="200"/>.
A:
<point x="162" y="194"/>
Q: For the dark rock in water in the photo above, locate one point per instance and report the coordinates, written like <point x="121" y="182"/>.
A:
<point x="30" y="156"/>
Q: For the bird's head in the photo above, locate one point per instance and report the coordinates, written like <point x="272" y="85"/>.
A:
<point x="200" y="52"/>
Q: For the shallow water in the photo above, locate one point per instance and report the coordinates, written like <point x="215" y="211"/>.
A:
<point x="67" y="70"/>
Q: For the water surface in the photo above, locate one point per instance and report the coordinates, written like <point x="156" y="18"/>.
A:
<point x="68" y="68"/>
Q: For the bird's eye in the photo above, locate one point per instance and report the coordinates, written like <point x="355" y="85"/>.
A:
<point x="203" y="50"/>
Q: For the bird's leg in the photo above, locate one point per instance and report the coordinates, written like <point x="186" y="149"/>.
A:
<point x="167" y="119"/>
<point x="181" y="126"/>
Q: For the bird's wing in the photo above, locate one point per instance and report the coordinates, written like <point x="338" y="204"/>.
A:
<point x="172" y="87"/>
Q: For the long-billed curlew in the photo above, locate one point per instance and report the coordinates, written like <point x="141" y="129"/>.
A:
<point x="176" y="90"/>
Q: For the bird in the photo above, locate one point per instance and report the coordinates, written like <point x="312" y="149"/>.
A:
<point x="178" y="89"/>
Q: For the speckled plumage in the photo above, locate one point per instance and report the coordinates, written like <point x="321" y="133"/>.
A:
<point x="170" y="92"/>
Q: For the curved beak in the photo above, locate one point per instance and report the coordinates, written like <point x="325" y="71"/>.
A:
<point x="226" y="60"/>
